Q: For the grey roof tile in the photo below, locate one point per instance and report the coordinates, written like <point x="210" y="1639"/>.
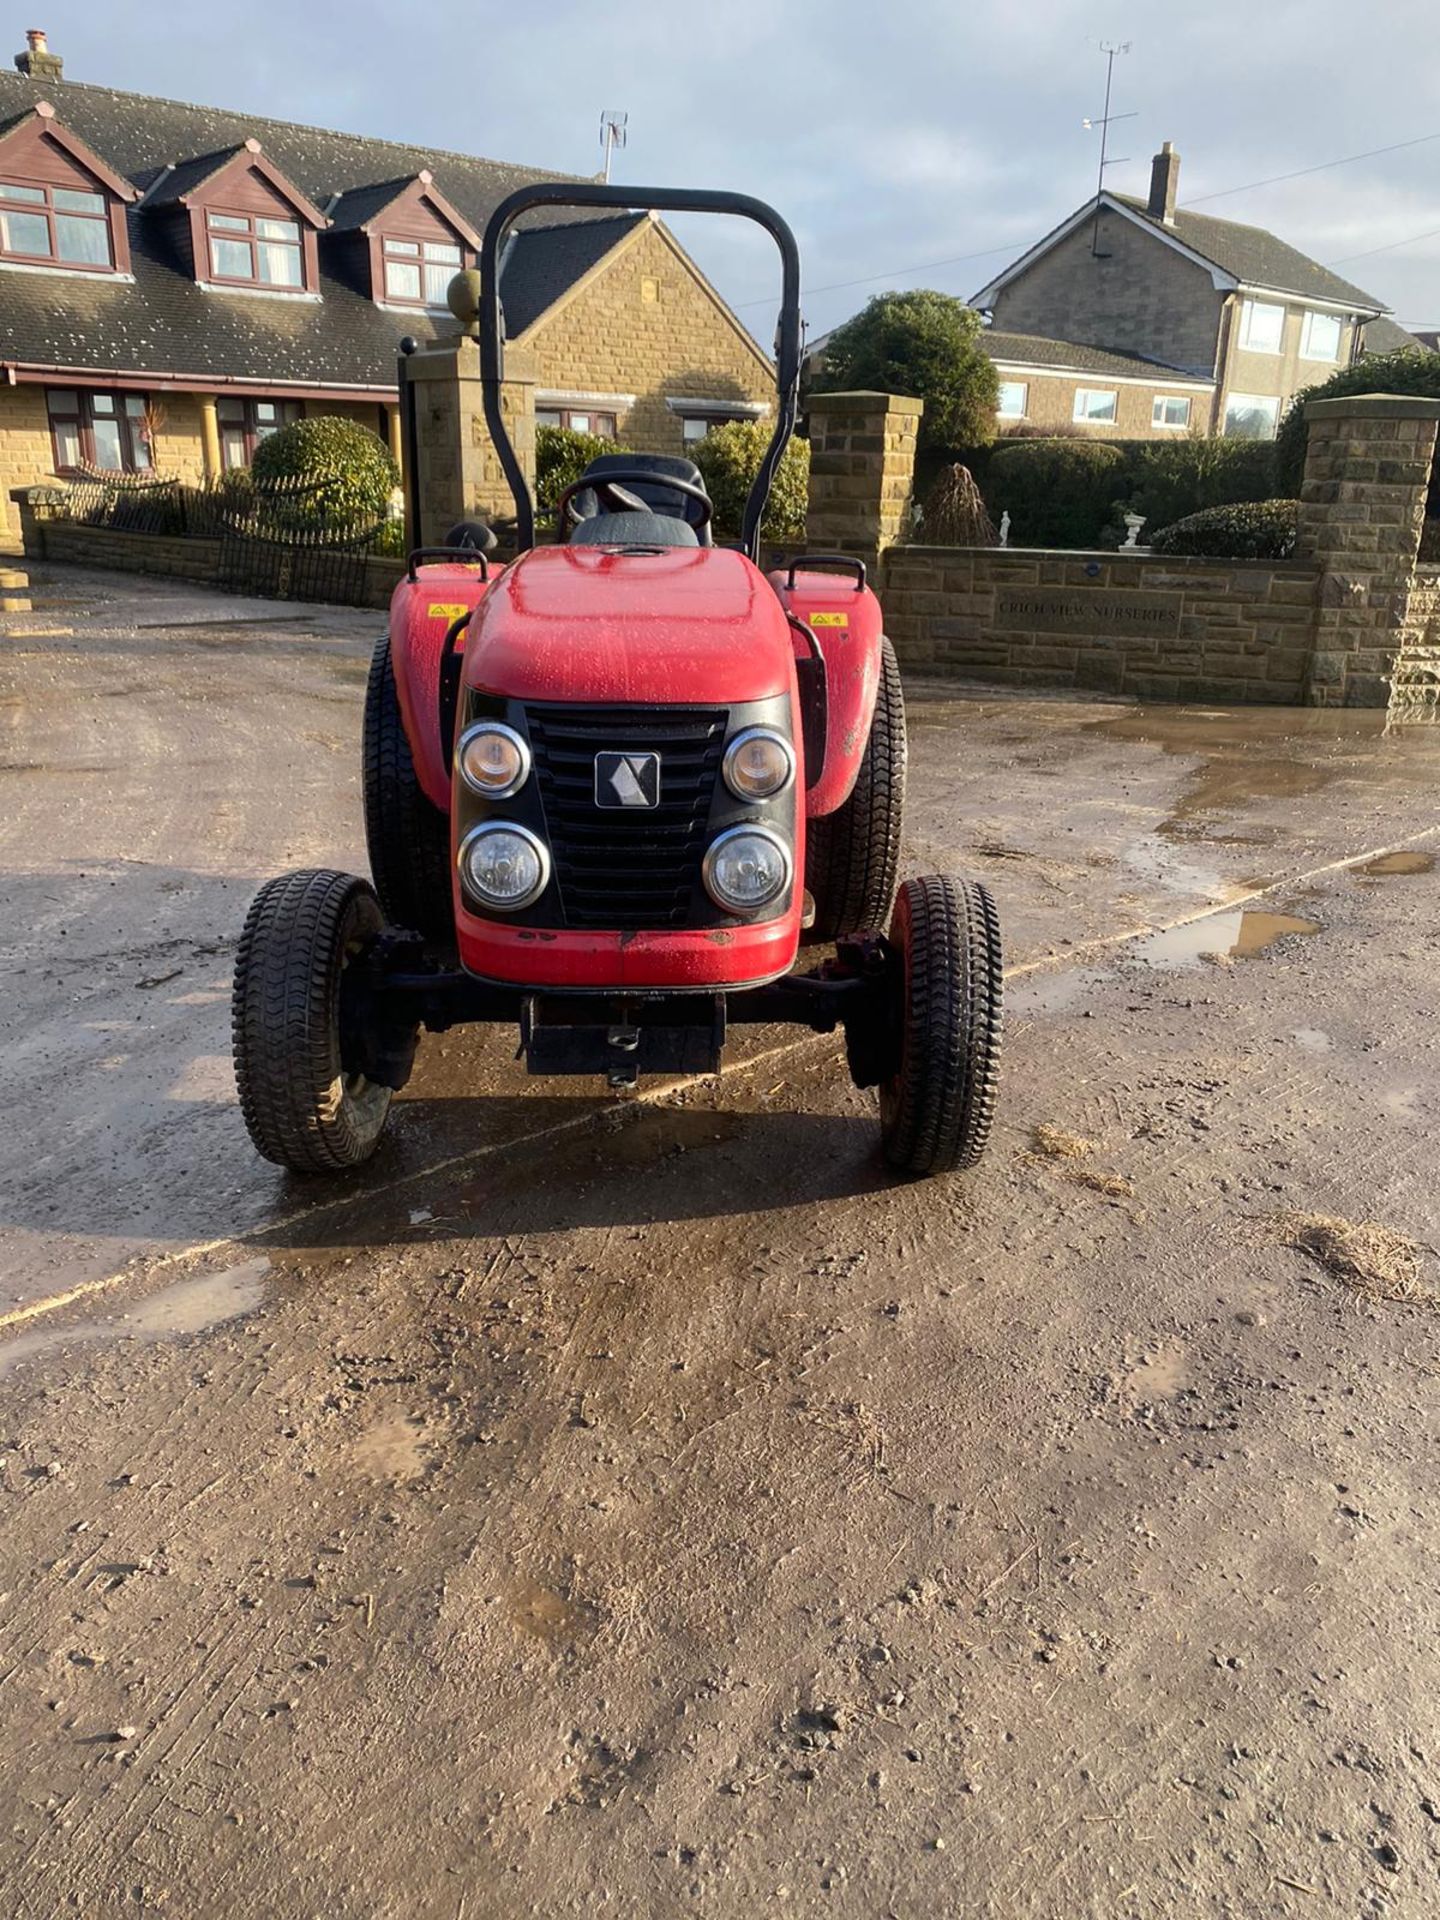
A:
<point x="165" y="323"/>
<point x="1033" y="350"/>
<point x="1253" y="255"/>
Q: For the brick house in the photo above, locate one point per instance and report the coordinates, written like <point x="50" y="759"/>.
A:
<point x="176" y="282"/>
<point x="1227" y="306"/>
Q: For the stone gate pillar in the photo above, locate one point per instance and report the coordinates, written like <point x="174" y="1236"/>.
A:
<point x="862" y="471"/>
<point x="1362" y="507"/>
<point x="457" y="469"/>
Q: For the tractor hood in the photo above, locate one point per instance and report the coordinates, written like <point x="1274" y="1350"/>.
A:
<point x="580" y="623"/>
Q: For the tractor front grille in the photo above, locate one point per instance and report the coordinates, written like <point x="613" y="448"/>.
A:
<point x="617" y="868"/>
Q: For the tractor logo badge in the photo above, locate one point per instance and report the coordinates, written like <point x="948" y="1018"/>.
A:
<point x="627" y="779"/>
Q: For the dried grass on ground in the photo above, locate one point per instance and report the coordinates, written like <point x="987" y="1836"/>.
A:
<point x="1362" y="1254"/>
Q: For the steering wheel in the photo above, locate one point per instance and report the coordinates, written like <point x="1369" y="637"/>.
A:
<point x="619" y="499"/>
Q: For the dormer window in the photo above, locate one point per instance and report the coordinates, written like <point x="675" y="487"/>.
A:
<point x="248" y="250"/>
<point x="54" y="225"/>
<point x="418" y="272"/>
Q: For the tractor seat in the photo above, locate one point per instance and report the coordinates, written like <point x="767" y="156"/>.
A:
<point x="633" y="530"/>
<point x="666" y="503"/>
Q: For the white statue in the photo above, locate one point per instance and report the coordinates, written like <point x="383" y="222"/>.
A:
<point x="1133" y="524"/>
<point x="1005" y="528"/>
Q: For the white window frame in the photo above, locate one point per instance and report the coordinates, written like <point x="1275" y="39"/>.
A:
<point x="1307" y="345"/>
<point x="1248" y="311"/>
<point x="1087" y="419"/>
<point x="1022" y="387"/>
<point x="1160" y="402"/>
<point x="1254" y="400"/>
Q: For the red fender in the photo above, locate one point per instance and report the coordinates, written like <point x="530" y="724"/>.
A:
<point x="845" y="622"/>
<point x="422" y="611"/>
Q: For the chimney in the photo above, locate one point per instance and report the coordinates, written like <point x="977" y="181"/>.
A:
<point x="1164" y="179"/>
<point x="37" y="62"/>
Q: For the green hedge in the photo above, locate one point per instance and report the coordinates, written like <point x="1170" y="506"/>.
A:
<point x="729" y="458"/>
<point x="1411" y="370"/>
<point x="345" y="470"/>
<point x="1058" y="493"/>
<point x="1072" y="493"/>
<point x="1253" y="530"/>
<point x="561" y="456"/>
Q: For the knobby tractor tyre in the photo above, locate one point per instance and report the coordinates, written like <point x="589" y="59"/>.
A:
<point x="304" y="1109"/>
<point x="852" y="856"/>
<point x="408" y="837"/>
<point x="937" y="1105"/>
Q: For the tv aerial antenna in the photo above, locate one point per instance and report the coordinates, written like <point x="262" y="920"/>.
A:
<point x="612" y="135"/>
<point x="1112" y="49"/>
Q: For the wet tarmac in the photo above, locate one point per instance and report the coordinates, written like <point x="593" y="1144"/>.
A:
<point x="651" y="1495"/>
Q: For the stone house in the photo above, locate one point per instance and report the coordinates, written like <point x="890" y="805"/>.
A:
<point x="1230" y="307"/>
<point x="178" y="281"/>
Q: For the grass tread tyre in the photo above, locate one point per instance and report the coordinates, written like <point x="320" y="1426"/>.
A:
<point x="300" y="1107"/>
<point x="407" y="836"/>
<point x="936" y="1110"/>
<point x="852" y="856"/>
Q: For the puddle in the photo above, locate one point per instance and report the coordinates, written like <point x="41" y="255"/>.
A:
<point x="1391" y="863"/>
<point x="185" y="1307"/>
<point x="393" y="1450"/>
<point x="1230" y="936"/>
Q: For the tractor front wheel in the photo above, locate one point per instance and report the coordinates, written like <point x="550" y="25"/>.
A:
<point x="852" y="856"/>
<point x="938" y="1099"/>
<point x="307" y="1106"/>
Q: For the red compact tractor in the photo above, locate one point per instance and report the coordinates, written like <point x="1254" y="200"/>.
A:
<point x="611" y="790"/>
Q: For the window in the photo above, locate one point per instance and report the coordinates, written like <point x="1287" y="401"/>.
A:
<point x="251" y="251"/>
<point x="105" y="430"/>
<point x="55" y="224"/>
<point x="1094" y="403"/>
<point x="1170" y="410"/>
<point x="245" y="423"/>
<point x="418" y="272"/>
<point x="1320" y="337"/>
<point x="1251" y="416"/>
<point x="1013" y="397"/>
<point x="601" y="424"/>
<point x="1262" y="327"/>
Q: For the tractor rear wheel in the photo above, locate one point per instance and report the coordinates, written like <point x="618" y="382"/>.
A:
<point x="852" y="856"/>
<point x="407" y="835"/>
<point x="305" y="1105"/>
<point x="938" y="1100"/>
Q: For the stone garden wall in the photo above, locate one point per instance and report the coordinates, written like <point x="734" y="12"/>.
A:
<point x="1119" y="623"/>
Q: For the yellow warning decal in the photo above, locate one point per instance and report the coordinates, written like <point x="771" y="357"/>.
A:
<point x="829" y="619"/>
<point x="446" y="609"/>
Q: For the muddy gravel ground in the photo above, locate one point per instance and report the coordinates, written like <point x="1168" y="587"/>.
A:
<point x="648" y="1507"/>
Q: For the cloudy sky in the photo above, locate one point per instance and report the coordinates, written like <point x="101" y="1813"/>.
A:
<point x="909" y="142"/>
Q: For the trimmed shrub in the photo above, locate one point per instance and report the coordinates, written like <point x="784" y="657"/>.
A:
<point x="729" y="458"/>
<point x="561" y="456"/>
<point x="924" y="344"/>
<point x="1251" y="530"/>
<point x="1173" y="478"/>
<point x="1410" y="370"/>
<point x="344" y="470"/>
<point x="1058" y="493"/>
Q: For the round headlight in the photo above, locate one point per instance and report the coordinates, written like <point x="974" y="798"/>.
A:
<point x="758" y="764"/>
<point x="505" y="867"/>
<point x="494" y="759"/>
<point x="746" y="868"/>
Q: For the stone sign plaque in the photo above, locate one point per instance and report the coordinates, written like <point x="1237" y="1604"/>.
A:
<point x="1102" y="610"/>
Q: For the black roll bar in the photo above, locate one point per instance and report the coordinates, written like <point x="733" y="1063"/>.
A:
<point x="545" y="193"/>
